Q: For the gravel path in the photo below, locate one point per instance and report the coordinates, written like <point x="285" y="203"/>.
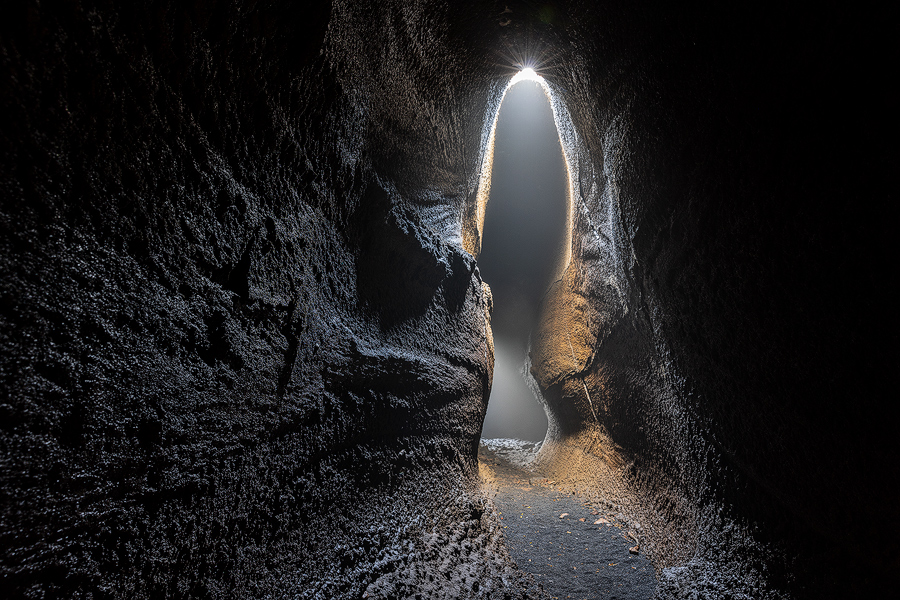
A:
<point x="570" y="548"/>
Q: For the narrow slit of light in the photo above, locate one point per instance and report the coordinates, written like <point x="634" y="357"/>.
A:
<point x="484" y="185"/>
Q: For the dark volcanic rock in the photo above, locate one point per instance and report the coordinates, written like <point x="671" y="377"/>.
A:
<point x="233" y="364"/>
<point x="244" y="346"/>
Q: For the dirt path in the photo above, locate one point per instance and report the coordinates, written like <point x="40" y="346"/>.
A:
<point x="570" y="548"/>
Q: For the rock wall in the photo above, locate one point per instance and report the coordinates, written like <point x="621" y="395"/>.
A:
<point x="243" y="351"/>
<point x="712" y="358"/>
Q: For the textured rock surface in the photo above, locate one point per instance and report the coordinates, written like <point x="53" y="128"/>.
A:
<point x="712" y="356"/>
<point x="244" y="354"/>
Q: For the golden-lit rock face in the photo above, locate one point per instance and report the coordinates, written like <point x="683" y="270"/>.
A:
<point x="578" y="448"/>
<point x="240" y="299"/>
<point x="561" y="349"/>
<point x="488" y="306"/>
<point x="565" y="339"/>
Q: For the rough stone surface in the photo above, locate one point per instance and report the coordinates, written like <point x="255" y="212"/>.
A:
<point x="244" y="352"/>
<point x="712" y="360"/>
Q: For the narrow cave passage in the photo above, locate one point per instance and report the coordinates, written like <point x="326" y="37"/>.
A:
<point x="570" y="545"/>
<point x="524" y="230"/>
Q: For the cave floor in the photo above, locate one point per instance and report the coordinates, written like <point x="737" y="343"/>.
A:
<point x="571" y="549"/>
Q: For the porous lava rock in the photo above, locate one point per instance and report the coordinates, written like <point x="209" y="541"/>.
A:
<point x="243" y="351"/>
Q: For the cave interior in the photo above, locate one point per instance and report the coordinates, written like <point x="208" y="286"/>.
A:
<point x="247" y="350"/>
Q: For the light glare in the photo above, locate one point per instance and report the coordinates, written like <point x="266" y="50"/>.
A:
<point x="472" y="244"/>
<point x="526" y="74"/>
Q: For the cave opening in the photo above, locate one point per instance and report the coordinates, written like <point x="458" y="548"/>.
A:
<point x="524" y="235"/>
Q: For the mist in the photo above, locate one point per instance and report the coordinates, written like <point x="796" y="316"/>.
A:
<point x="524" y="229"/>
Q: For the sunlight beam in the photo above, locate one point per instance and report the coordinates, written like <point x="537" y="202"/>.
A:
<point x="484" y="185"/>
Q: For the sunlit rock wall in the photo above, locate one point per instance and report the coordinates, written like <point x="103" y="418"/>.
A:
<point x="243" y="351"/>
<point x="716" y="359"/>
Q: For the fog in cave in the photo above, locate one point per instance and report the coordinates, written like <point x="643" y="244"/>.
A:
<point x="524" y="229"/>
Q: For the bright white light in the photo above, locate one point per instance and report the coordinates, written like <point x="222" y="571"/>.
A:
<point x="484" y="181"/>
<point x="526" y="74"/>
